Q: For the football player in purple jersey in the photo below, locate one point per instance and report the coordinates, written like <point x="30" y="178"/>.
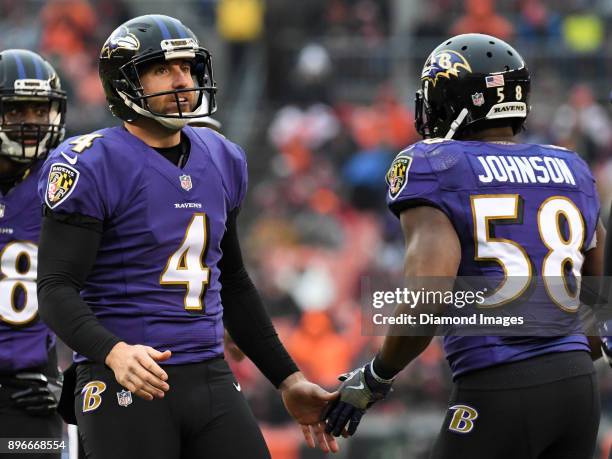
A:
<point x="33" y="108"/>
<point x="140" y="267"/>
<point x="473" y="202"/>
<point x="605" y="314"/>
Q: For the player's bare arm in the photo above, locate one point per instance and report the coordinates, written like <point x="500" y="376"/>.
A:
<point x="433" y="253"/>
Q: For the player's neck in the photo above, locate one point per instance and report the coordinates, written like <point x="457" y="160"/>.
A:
<point x="153" y="134"/>
<point x="496" y="134"/>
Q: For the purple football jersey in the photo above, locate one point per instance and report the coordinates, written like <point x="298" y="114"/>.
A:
<point x="24" y="339"/>
<point x="520" y="212"/>
<point x="156" y="277"/>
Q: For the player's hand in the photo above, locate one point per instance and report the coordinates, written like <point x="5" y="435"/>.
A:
<point x="359" y="390"/>
<point x="136" y="369"/>
<point x="38" y="395"/>
<point x="305" y="401"/>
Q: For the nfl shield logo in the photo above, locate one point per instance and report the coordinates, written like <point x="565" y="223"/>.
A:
<point x="478" y="99"/>
<point x="124" y="398"/>
<point x="185" y="182"/>
<point x="2" y="208"/>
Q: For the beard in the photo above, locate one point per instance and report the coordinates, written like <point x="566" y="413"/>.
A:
<point x="169" y="105"/>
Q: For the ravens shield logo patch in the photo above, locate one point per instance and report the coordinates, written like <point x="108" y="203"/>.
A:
<point x="62" y="180"/>
<point x="397" y="177"/>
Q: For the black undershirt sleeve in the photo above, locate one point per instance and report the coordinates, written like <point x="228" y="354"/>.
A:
<point x="244" y="314"/>
<point x="66" y="253"/>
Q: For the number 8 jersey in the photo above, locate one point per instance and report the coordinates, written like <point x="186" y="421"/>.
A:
<point x="521" y="212"/>
<point x="155" y="280"/>
<point x="25" y="341"/>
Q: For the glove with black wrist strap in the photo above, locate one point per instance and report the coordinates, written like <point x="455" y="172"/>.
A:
<point x="360" y="389"/>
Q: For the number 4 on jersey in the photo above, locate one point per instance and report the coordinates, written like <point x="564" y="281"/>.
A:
<point x="84" y="142"/>
<point x="186" y="265"/>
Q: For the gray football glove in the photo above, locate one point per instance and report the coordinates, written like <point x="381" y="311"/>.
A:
<point x="359" y="390"/>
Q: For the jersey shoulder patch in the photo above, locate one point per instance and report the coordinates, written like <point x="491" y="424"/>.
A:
<point x="80" y="159"/>
<point x="397" y="175"/>
<point x="421" y="161"/>
<point x="61" y="182"/>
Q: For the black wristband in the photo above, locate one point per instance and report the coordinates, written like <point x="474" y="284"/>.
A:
<point x="383" y="371"/>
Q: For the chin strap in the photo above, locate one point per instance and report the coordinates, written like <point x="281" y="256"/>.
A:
<point x="170" y="123"/>
<point x="455" y="124"/>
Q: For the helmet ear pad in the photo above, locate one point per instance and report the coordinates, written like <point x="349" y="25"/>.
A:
<point x="121" y="85"/>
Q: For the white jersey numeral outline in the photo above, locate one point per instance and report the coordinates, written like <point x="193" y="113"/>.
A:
<point x="186" y="265"/>
<point x="562" y="253"/>
<point x="15" y="278"/>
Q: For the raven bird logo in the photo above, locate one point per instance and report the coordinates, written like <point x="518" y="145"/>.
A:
<point x="121" y="38"/>
<point x="444" y="64"/>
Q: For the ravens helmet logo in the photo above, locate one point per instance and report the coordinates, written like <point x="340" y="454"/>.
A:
<point x="121" y="38"/>
<point x="444" y="64"/>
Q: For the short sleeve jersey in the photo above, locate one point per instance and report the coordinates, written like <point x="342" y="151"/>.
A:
<point x="519" y="210"/>
<point x="25" y="341"/>
<point x="155" y="280"/>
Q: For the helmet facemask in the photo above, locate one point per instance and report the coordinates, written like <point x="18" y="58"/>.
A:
<point x="25" y="140"/>
<point x="131" y="91"/>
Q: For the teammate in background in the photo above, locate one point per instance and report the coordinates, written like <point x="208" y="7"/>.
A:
<point x="473" y="202"/>
<point x="141" y="220"/>
<point x="33" y="108"/>
<point x="605" y="315"/>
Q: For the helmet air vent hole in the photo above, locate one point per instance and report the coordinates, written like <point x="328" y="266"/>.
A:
<point x="463" y="48"/>
<point x="492" y="42"/>
<point x="507" y="68"/>
<point x="510" y="52"/>
<point x="489" y="54"/>
<point x="449" y="42"/>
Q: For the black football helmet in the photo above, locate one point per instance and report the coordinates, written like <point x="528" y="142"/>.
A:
<point x="144" y="40"/>
<point x="469" y="79"/>
<point x="27" y="78"/>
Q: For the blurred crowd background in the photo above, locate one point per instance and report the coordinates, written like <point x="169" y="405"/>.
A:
<point x="320" y="95"/>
